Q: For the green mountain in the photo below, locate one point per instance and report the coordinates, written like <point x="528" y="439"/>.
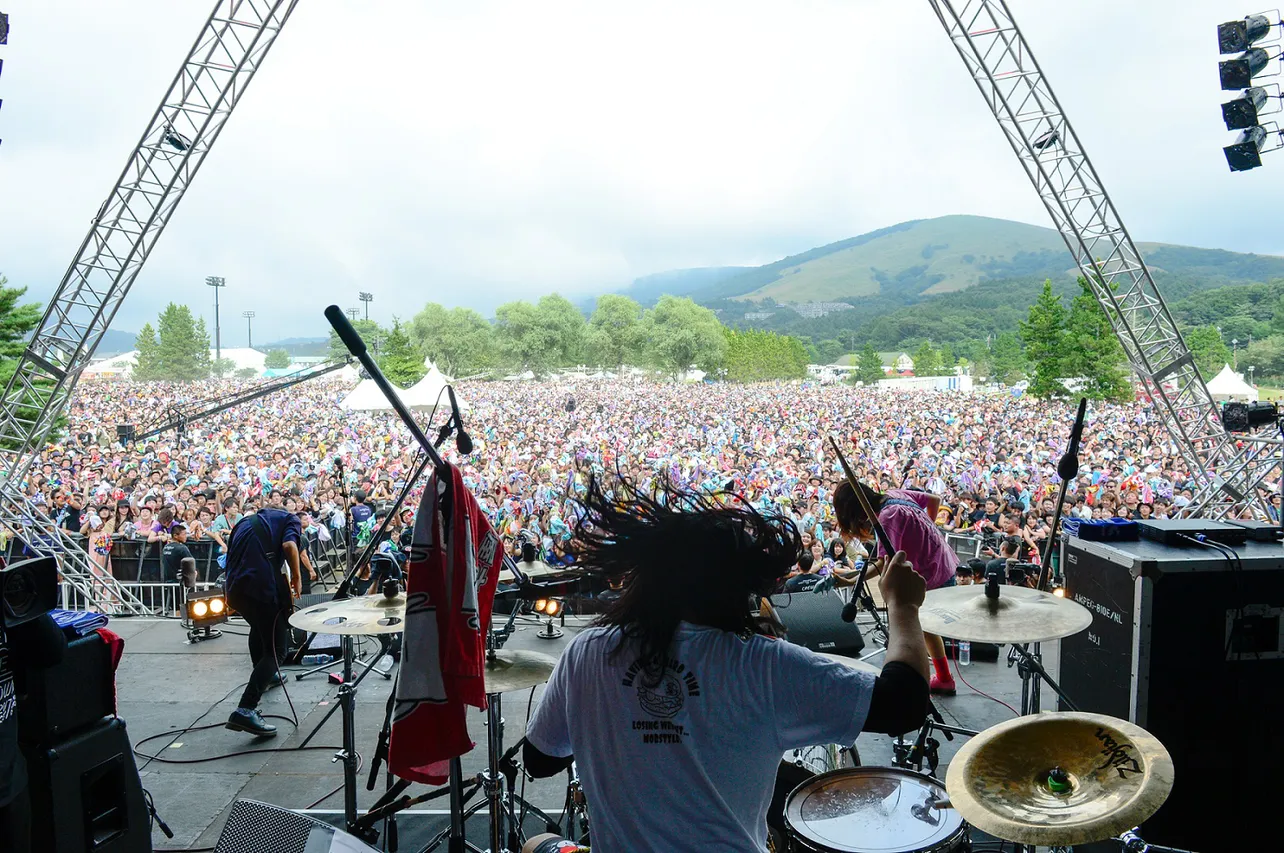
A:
<point x="929" y="257"/>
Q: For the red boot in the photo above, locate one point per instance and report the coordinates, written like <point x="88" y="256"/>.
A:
<point x="942" y="682"/>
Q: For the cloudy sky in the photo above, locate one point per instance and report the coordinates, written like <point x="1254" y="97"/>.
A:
<point x="470" y="153"/>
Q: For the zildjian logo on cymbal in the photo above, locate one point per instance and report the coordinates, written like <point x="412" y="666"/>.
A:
<point x="1116" y="754"/>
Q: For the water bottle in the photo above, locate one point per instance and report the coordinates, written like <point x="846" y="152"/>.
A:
<point x="965" y="653"/>
<point x="317" y="660"/>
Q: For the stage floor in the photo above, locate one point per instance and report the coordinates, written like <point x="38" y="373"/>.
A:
<point x="164" y="685"/>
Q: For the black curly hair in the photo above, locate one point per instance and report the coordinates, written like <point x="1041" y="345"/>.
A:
<point x="681" y="556"/>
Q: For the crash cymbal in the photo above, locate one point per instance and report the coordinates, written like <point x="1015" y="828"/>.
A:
<point x="1059" y="779"/>
<point x="363" y="615"/>
<point x="1018" y="615"/>
<point x="516" y="670"/>
<point x="853" y="663"/>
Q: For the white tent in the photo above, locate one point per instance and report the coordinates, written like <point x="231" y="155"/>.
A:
<point x="366" y="397"/>
<point x="425" y="393"/>
<point x="1229" y="385"/>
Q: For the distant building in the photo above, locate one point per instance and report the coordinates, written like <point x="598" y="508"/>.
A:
<point x="896" y="362"/>
<point x="812" y="310"/>
<point x="755" y="316"/>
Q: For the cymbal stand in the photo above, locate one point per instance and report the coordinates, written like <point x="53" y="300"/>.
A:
<point x="1029" y="666"/>
<point x="1134" y="843"/>
<point x="925" y="747"/>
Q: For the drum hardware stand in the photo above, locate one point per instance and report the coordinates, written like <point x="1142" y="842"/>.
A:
<point x="1134" y="843"/>
<point x="577" y="816"/>
<point x="925" y="747"/>
<point x="1029" y="664"/>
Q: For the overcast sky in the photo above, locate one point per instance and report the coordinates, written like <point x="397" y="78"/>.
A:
<point x="470" y="153"/>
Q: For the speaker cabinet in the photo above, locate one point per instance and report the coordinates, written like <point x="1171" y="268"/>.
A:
<point x="58" y="701"/>
<point x="1187" y="644"/>
<point x="815" y="621"/>
<point x="86" y="796"/>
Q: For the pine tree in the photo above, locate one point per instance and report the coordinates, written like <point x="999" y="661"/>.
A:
<point x="1093" y="353"/>
<point x="927" y="361"/>
<point x="148" y="366"/>
<point x="1007" y="362"/>
<point x="399" y="360"/>
<point x="277" y="359"/>
<point x="869" y="365"/>
<point x="1044" y="334"/>
<point x="183" y="346"/>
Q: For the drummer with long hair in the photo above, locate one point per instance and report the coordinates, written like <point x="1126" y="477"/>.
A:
<point x="904" y="515"/>
<point x="676" y="705"/>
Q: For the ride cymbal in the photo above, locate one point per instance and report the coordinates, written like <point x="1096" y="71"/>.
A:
<point x="364" y="615"/>
<point x="1059" y="779"/>
<point x="514" y="669"/>
<point x="1018" y="615"/>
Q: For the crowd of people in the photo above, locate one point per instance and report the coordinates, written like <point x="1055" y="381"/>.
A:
<point x="991" y="458"/>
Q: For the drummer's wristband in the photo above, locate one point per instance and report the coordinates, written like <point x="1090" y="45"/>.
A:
<point x="899" y="703"/>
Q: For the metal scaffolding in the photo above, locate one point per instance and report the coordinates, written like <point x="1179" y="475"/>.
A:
<point x="230" y="49"/>
<point x="1230" y="468"/>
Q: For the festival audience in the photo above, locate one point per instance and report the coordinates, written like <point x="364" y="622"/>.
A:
<point x="990" y="457"/>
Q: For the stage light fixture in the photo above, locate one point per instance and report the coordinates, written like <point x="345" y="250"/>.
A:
<point x="204" y="611"/>
<point x="1246" y="152"/>
<point x="4" y="28"/>
<point x="1242" y="417"/>
<point x="541" y="604"/>
<point x="1243" y="112"/>
<point x="1058" y="590"/>
<point x="1238" y="73"/>
<point x="1237" y="36"/>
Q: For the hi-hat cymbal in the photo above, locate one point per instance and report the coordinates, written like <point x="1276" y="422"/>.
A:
<point x="853" y="663"/>
<point x="1059" y="779"/>
<point x="515" y="669"/>
<point x="1018" y="615"/>
<point x="364" y="615"/>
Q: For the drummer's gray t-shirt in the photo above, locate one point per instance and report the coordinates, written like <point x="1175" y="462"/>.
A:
<point x="690" y="763"/>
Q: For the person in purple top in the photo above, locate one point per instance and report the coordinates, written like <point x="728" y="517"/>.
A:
<point x="903" y="514"/>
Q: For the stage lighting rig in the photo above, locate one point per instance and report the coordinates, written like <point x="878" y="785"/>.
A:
<point x="550" y="608"/>
<point x="1250" y="38"/>
<point x="204" y="611"/>
<point x="1244" y="417"/>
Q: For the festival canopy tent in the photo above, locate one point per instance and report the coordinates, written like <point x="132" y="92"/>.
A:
<point x="366" y="397"/>
<point x="425" y="393"/>
<point x="1229" y="385"/>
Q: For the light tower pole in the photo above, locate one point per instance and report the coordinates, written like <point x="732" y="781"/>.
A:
<point x="367" y="298"/>
<point x="249" y="328"/>
<point x="216" y="282"/>
<point x="352" y="314"/>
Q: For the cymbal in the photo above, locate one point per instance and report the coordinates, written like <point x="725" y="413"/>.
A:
<point x="364" y="615"/>
<point x="515" y="669"/>
<point x="853" y="663"/>
<point x="1059" y="779"/>
<point x="1018" y="615"/>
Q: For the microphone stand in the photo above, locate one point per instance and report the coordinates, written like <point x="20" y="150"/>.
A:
<point x="1029" y="661"/>
<point x="454" y="835"/>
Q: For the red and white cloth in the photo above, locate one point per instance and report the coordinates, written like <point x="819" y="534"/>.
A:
<point x="455" y="558"/>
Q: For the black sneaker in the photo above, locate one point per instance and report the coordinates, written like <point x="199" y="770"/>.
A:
<point x="276" y="680"/>
<point x="251" y="721"/>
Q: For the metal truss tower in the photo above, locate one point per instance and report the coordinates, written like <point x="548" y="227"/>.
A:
<point x="230" y="49"/>
<point x="1230" y="469"/>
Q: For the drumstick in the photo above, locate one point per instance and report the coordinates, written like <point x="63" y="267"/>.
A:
<point x="880" y="534"/>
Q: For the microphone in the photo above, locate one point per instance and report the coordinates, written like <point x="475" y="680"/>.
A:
<point x="1068" y="467"/>
<point x="850" y="609"/>
<point x="343" y="328"/>
<point x="463" y="442"/>
<point x="908" y="465"/>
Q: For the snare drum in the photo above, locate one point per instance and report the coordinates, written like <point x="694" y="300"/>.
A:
<point x="872" y="810"/>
